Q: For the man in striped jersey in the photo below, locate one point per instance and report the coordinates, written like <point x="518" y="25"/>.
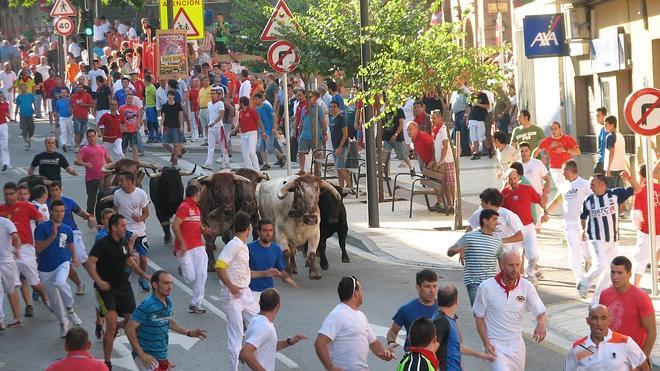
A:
<point x="600" y="227"/>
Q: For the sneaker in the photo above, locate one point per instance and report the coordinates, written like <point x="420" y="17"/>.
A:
<point x="81" y="290"/>
<point x="490" y="153"/>
<point x="539" y="275"/>
<point x="196" y="309"/>
<point x="206" y="167"/>
<point x="265" y="167"/>
<point x="64" y="149"/>
<point x="27" y="147"/>
<point x="205" y="144"/>
<point x="143" y="285"/>
<point x="15" y="324"/>
<point x="582" y="290"/>
<point x="435" y="207"/>
<point x="29" y="311"/>
<point x="4" y="167"/>
<point x="109" y="365"/>
<point x="64" y="328"/>
<point x="450" y="210"/>
<point x="2" y="327"/>
<point x="73" y="317"/>
<point x="98" y="331"/>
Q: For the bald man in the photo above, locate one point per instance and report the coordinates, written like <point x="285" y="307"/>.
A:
<point x="604" y="349"/>
<point x="498" y="310"/>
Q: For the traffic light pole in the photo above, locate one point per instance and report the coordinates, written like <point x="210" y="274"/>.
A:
<point x="89" y="39"/>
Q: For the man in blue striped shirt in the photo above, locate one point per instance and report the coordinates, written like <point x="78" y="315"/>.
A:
<point x="148" y="329"/>
<point x="600" y="227"/>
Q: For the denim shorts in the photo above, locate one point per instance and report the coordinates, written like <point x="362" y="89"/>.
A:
<point x="340" y="161"/>
<point x="79" y="125"/>
<point x="305" y="145"/>
<point x="129" y="139"/>
<point x="399" y="148"/>
<point x="172" y="136"/>
<point x="266" y="144"/>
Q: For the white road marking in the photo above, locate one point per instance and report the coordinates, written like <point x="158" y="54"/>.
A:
<point x="280" y="357"/>
<point x="213" y="297"/>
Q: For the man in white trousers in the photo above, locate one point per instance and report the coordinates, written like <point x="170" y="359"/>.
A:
<point x="189" y="247"/>
<point x="498" y="310"/>
<point x="64" y="119"/>
<point x="572" y="194"/>
<point x="110" y="127"/>
<point x="248" y="123"/>
<point x="10" y="249"/>
<point x="236" y="299"/>
<point x="7" y="79"/>
<point x="217" y="137"/>
<point x="4" y="131"/>
<point x="55" y="255"/>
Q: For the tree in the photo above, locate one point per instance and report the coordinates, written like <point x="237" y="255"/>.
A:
<point x="138" y="4"/>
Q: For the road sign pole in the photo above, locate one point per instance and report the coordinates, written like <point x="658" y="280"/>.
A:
<point x="287" y="130"/>
<point x="61" y="56"/>
<point x="170" y="14"/>
<point x="650" y="202"/>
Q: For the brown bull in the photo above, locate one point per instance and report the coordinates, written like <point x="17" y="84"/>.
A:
<point x="111" y="171"/>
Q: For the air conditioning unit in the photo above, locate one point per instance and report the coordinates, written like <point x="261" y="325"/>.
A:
<point x="577" y="24"/>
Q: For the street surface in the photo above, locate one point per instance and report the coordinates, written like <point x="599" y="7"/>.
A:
<point x="386" y="285"/>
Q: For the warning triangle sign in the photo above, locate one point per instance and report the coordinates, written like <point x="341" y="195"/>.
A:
<point x="182" y="22"/>
<point x="62" y="8"/>
<point x="281" y="18"/>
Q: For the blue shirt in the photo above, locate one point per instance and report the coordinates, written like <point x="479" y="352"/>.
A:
<point x="58" y="251"/>
<point x="449" y="353"/>
<point x="409" y="312"/>
<point x="154" y="319"/>
<point x="307" y="126"/>
<point x="602" y="137"/>
<point x="63" y="107"/>
<point x="70" y="207"/>
<point x="120" y="97"/>
<point x="264" y="258"/>
<point x="24" y="103"/>
<point x="104" y="232"/>
<point x="266" y="115"/>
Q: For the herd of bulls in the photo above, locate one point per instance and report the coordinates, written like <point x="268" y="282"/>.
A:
<point x="305" y="210"/>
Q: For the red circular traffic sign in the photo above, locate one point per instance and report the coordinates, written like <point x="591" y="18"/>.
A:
<point x="283" y="57"/>
<point x="64" y="26"/>
<point x="642" y="111"/>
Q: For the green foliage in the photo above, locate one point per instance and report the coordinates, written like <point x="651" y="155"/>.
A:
<point x="79" y="4"/>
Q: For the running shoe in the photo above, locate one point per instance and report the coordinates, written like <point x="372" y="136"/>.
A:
<point x="4" y="167"/>
<point x="582" y="290"/>
<point x="196" y="309"/>
<point x="2" y="327"/>
<point x="206" y="167"/>
<point x="73" y="317"/>
<point x="64" y="328"/>
<point x="98" y="331"/>
<point x="15" y="324"/>
<point x="29" y="311"/>
<point x="144" y="284"/>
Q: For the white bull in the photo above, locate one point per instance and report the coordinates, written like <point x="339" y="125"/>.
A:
<point x="291" y="203"/>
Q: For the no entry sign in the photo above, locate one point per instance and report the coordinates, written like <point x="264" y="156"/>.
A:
<point x="642" y="110"/>
<point x="283" y="57"/>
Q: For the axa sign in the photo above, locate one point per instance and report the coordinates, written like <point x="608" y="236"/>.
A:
<point x="544" y="36"/>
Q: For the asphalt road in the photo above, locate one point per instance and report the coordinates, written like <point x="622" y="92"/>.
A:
<point x="386" y="286"/>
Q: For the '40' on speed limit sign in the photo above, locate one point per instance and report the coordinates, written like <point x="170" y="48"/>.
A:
<point x="64" y="26"/>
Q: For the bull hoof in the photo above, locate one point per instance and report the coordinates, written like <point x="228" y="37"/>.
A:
<point x="313" y="275"/>
<point x="345" y="259"/>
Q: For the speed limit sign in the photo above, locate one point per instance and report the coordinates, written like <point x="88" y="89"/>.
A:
<point x="64" y="26"/>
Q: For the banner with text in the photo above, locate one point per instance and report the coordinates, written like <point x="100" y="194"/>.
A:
<point x="171" y="53"/>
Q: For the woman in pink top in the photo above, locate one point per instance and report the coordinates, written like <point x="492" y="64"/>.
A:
<point x="92" y="157"/>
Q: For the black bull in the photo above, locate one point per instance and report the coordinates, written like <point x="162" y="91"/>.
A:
<point x="166" y="192"/>
<point x="333" y="220"/>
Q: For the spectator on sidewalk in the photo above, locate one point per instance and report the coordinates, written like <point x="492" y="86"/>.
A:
<point x="307" y="115"/>
<point x="340" y="144"/>
<point x="640" y="219"/>
<point x="261" y="342"/>
<point x="421" y="355"/>
<point x="422" y="118"/>
<point x="601" y="113"/>
<point x="346" y="337"/>
<point x="509" y="227"/>
<point x="498" y="311"/>
<point x="79" y="357"/>
<point x="458" y="106"/>
<point x="560" y="148"/>
<point x="526" y="132"/>
<point x="615" y="154"/>
<point x="505" y="153"/>
<point x="572" y="194"/>
<point x="51" y="162"/>
<point x="393" y="125"/>
<point x="444" y="160"/>
<point x="600" y="227"/>
<point x="449" y="336"/>
<point x="424" y="305"/>
<point x="478" y="110"/>
<point x="604" y="349"/>
<point x="480" y="252"/>
<point x="632" y="311"/>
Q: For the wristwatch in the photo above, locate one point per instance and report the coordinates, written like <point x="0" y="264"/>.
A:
<point x="288" y="341"/>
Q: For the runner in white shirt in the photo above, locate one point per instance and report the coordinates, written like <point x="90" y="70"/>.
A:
<point x="95" y="71"/>
<point x="236" y="299"/>
<point x="7" y="79"/>
<point x="217" y="137"/>
<point x="604" y="349"/>
<point x="346" y="337"/>
<point x="535" y="171"/>
<point x="261" y="341"/>
<point x="505" y="153"/>
<point x="498" y="312"/>
<point x="132" y="203"/>
<point x="509" y="227"/>
<point x="246" y="86"/>
<point x="572" y="193"/>
<point x="39" y="195"/>
<point x="10" y="249"/>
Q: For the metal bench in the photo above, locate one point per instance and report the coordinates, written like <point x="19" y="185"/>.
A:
<point x="428" y="183"/>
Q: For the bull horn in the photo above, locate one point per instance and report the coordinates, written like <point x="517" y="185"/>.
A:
<point x="106" y="169"/>
<point x="286" y="187"/>
<point x="241" y="178"/>
<point x="263" y="176"/>
<point x="109" y="198"/>
<point x="47" y="182"/>
<point x="186" y="173"/>
<point x="154" y="175"/>
<point x="149" y="165"/>
<point x="203" y="178"/>
<point x="330" y="188"/>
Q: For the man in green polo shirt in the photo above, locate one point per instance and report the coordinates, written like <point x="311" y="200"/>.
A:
<point x="526" y="132"/>
<point x="220" y="30"/>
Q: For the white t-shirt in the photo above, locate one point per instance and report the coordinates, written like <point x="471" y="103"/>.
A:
<point x="7" y="80"/>
<point x="503" y="313"/>
<point x="43" y="209"/>
<point x="7" y="228"/>
<point x="121" y="29"/>
<point x="43" y="70"/>
<point x="132" y="34"/>
<point x="245" y="89"/>
<point x="92" y="76"/>
<point x="351" y="335"/>
<point x="74" y="49"/>
<point x="506" y="156"/>
<point x="99" y="32"/>
<point x="235" y="258"/>
<point x="437" y="146"/>
<point x="573" y="194"/>
<point x="214" y="111"/>
<point x="129" y="204"/>
<point x="535" y="171"/>
<point x="261" y="333"/>
<point x="508" y="224"/>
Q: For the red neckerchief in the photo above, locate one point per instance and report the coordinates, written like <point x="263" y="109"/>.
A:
<point x="507" y="289"/>
<point x="426" y="353"/>
<point x="420" y="118"/>
<point x="435" y="130"/>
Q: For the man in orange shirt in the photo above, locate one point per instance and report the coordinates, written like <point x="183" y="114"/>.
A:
<point x="72" y="69"/>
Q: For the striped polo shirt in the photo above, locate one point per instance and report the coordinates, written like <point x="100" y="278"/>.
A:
<point x="602" y="213"/>
<point x="481" y="254"/>
<point x="153" y="333"/>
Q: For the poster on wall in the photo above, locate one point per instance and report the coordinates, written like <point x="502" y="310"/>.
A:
<point x="171" y="53"/>
<point x="544" y="36"/>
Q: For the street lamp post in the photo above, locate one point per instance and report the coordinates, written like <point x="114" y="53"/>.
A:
<point x="370" y="142"/>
